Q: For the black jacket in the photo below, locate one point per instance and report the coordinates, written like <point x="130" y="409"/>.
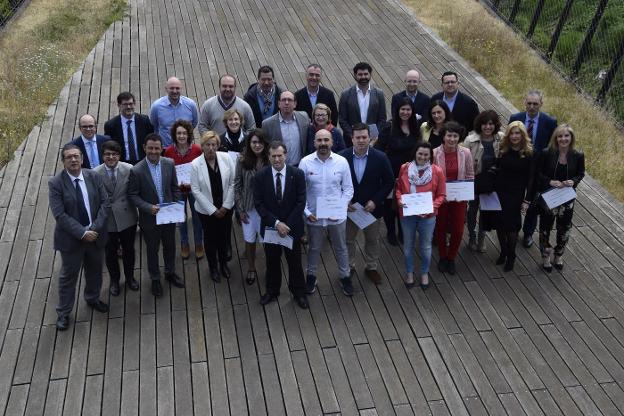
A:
<point x="251" y="97"/>
<point x="143" y="127"/>
<point x="546" y="164"/>
<point x="325" y="96"/>
<point x="464" y="111"/>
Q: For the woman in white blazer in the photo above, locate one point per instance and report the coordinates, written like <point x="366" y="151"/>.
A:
<point x="212" y="185"/>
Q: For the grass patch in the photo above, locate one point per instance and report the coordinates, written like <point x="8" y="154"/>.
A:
<point x="38" y="53"/>
<point x="512" y="67"/>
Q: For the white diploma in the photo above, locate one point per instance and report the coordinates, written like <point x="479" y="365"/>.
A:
<point x="183" y="173"/>
<point x="419" y="203"/>
<point x="360" y="217"/>
<point x="271" y="236"/>
<point x="489" y="202"/>
<point x="234" y="156"/>
<point x="171" y="212"/>
<point x="558" y="196"/>
<point x="331" y="208"/>
<point x="460" y="190"/>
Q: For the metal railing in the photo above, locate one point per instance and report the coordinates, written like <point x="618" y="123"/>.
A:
<point x="8" y="9"/>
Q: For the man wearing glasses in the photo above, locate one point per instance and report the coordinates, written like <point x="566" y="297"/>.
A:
<point x="89" y="143"/>
<point x="420" y="101"/>
<point x="462" y="106"/>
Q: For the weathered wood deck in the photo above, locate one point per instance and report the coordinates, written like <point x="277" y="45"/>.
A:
<point x="477" y="343"/>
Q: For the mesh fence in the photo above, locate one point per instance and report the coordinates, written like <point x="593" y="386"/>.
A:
<point x="7" y="9"/>
<point x="584" y="39"/>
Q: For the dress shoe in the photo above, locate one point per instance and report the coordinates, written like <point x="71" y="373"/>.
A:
<point x="501" y="259"/>
<point x="62" y="323"/>
<point x="157" y="289"/>
<point x="199" y="251"/>
<point x="509" y="264"/>
<point x="450" y="267"/>
<point x="132" y="284"/>
<point x="302" y="301"/>
<point x="114" y="289"/>
<point x="373" y="275"/>
<point x="214" y="275"/>
<point x="347" y="286"/>
<point x="527" y="241"/>
<point x="185" y="251"/>
<point x="268" y="298"/>
<point x="99" y="306"/>
<point x="225" y="271"/>
<point x="174" y="279"/>
<point x="310" y="284"/>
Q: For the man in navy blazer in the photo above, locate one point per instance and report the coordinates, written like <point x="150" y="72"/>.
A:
<point x="540" y="127"/>
<point x="349" y="109"/>
<point x="129" y="129"/>
<point x="89" y="143"/>
<point x="80" y="205"/>
<point x="420" y="101"/>
<point x="314" y="93"/>
<point x="280" y="198"/>
<point x="462" y="106"/>
<point x="372" y="179"/>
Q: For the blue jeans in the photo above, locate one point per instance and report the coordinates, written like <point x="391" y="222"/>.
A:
<point x="197" y="227"/>
<point x="424" y="227"/>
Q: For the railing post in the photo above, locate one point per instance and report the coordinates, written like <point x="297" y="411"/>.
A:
<point x="562" y="19"/>
<point x="589" y="35"/>
<point x="535" y="18"/>
<point x="611" y="74"/>
<point x="514" y="11"/>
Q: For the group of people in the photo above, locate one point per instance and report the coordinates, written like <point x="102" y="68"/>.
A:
<point x="294" y="168"/>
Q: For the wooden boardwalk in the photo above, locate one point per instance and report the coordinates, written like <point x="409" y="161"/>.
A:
<point x="476" y="343"/>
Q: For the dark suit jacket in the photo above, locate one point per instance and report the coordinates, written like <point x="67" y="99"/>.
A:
<point x="86" y="163"/>
<point x="420" y="105"/>
<point x="325" y="96"/>
<point x="143" y="127"/>
<point x="251" y="97"/>
<point x="68" y="231"/>
<point x="142" y="191"/>
<point x="290" y="211"/>
<point x="349" y="110"/>
<point x="377" y="180"/>
<point x="464" y="111"/>
<point x="545" y="127"/>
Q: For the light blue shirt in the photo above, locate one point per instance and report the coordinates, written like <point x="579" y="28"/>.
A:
<point x="359" y="165"/>
<point x="313" y="97"/>
<point x="92" y="151"/>
<point x="290" y="136"/>
<point x="163" y="114"/>
<point x="157" y="178"/>
<point x="535" y="122"/>
<point x="450" y="101"/>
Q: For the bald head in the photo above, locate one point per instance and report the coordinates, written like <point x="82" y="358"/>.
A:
<point x="323" y="143"/>
<point x="412" y="80"/>
<point x="87" y="126"/>
<point x="174" y="89"/>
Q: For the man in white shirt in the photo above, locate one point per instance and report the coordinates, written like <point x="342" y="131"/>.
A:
<point x="328" y="176"/>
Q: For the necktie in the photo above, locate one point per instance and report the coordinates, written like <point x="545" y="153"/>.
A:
<point x="530" y="129"/>
<point x="131" y="145"/>
<point x="113" y="177"/>
<point x="93" y="156"/>
<point x="83" y="216"/>
<point x="278" y="187"/>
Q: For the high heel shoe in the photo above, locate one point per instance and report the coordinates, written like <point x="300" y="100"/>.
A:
<point x="509" y="264"/>
<point x="424" y="286"/>
<point x="546" y="265"/>
<point x="558" y="263"/>
<point x="409" y="285"/>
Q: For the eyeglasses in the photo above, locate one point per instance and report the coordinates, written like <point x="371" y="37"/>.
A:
<point x="90" y="126"/>
<point x="72" y="157"/>
<point x="110" y="154"/>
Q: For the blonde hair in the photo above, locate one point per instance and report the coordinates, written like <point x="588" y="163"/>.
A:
<point x="209" y="135"/>
<point x="321" y="106"/>
<point x="505" y="145"/>
<point x="229" y="113"/>
<point x="553" y="146"/>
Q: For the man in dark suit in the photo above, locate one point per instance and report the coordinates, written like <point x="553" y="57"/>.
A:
<point x="280" y="197"/>
<point x="462" y="106"/>
<point x="89" y="143"/>
<point x="420" y="101"/>
<point x="540" y="127"/>
<point x="80" y="207"/>
<point x="372" y="179"/>
<point x="122" y="218"/>
<point x="314" y="93"/>
<point x="129" y="129"/>
<point x="153" y="182"/>
<point x="262" y="96"/>
<point x="361" y="103"/>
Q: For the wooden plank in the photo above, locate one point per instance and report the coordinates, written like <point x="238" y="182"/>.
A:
<point x="166" y="406"/>
<point x="129" y="393"/>
<point x="54" y="402"/>
<point x="201" y="390"/>
<point x="93" y="395"/>
<point x="346" y="398"/>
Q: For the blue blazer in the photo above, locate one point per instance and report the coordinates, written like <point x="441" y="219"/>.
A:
<point x="419" y="106"/>
<point x="290" y="210"/>
<point x="377" y="180"/>
<point x="545" y="127"/>
<point x="86" y="164"/>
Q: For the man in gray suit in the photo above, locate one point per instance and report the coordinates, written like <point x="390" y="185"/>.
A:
<point x="153" y="182"/>
<point x="361" y="103"/>
<point x="80" y="207"/>
<point x="288" y="126"/>
<point x="122" y="218"/>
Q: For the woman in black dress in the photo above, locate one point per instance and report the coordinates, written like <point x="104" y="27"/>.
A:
<point x="558" y="166"/>
<point x="513" y="175"/>
<point x="438" y="114"/>
<point x="397" y="140"/>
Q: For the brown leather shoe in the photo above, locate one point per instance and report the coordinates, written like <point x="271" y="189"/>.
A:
<point x="199" y="252"/>
<point x="185" y="251"/>
<point x="373" y="275"/>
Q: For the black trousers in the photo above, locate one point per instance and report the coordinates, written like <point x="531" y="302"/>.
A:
<point x="215" y="237"/>
<point x="125" y="239"/>
<point x="296" y="282"/>
<point x="164" y="233"/>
